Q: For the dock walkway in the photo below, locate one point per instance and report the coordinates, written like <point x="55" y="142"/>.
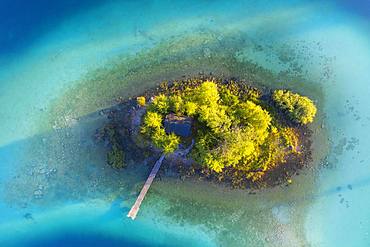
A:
<point x="135" y="208"/>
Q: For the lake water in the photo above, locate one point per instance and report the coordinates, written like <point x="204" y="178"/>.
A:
<point x="62" y="63"/>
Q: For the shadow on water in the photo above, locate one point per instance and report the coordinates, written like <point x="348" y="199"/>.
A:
<point x="62" y="168"/>
<point x="69" y="165"/>
<point x="351" y="185"/>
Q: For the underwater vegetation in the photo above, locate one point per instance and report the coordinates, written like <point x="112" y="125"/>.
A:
<point x="115" y="156"/>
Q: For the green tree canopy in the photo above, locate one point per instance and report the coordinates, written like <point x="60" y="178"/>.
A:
<point x="300" y="108"/>
<point x="233" y="130"/>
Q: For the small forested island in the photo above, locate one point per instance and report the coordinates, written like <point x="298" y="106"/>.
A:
<point x="223" y="130"/>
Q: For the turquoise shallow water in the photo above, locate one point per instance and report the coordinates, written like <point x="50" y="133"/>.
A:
<point x="58" y="69"/>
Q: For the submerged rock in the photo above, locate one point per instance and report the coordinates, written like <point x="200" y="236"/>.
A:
<point x="42" y="170"/>
<point x="38" y="194"/>
<point x="28" y="216"/>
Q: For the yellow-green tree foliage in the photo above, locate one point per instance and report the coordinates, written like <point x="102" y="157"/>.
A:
<point x="190" y="108"/>
<point x="250" y="115"/>
<point x="141" y="101"/>
<point x="300" y="108"/>
<point x="233" y="129"/>
<point x="209" y="108"/>
<point x="206" y="94"/>
<point x="152" y="126"/>
<point x="161" y="104"/>
<point x="176" y="104"/>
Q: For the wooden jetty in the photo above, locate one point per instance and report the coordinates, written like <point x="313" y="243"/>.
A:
<point x="135" y="208"/>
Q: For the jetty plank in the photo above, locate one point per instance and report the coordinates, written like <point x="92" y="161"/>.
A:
<point x="135" y="208"/>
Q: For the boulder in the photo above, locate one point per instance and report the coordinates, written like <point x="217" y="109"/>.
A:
<point x="180" y="126"/>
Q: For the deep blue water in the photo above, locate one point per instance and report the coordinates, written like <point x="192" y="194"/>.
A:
<point x="23" y="22"/>
<point x="361" y="7"/>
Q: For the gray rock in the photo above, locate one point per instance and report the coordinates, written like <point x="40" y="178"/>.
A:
<point x="180" y="126"/>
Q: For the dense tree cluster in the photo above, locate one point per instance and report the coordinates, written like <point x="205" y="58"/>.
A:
<point x="300" y="108"/>
<point x="232" y="129"/>
<point x="153" y="127"/>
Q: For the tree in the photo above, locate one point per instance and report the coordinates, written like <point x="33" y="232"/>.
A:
<point x="153" y="128"/>
<point x="214" y="116"/>
<point x="176" y="104"/>
<point x="206" y="94"/>
<point x="141" y="101"/>
<point x="190" y="108"/>
<point x="254" y="116"/>
<point x="152" y="120"/>
<point x="238" y="145"/>
<point x="301" y="109"/>
<point x="170" y="143"/>
<point x="161" y="104"/>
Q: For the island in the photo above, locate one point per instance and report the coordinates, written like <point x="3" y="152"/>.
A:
<point x="223" y="130"/>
